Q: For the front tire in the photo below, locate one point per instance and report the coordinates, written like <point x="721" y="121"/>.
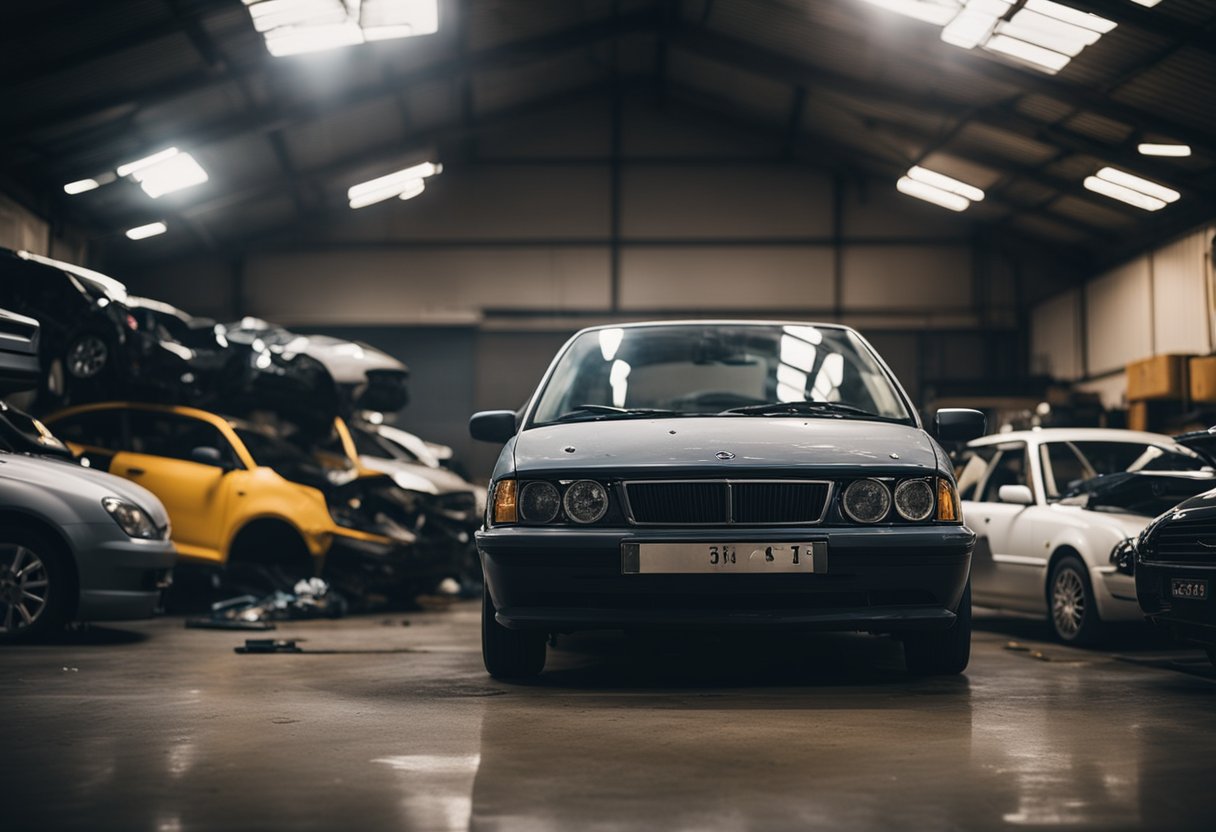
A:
<point x="1071" y="609"/>
<point x="34" y="586"/>
<point x="509" y="654"/>
<point x="945" y="652"/>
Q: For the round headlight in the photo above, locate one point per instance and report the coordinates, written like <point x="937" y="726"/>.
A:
<point x="867" y="501"/>
<point x="539" y="502"/>
<point x="586" y="501"/>
<point x="914" y="500"/>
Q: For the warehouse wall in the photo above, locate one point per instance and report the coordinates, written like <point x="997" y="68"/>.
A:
<point x="23" y="230"/>
<point x="1159" y="302"/>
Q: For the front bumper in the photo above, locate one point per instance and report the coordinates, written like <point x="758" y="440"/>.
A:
<point x="1188" y="619"/>
<point x="119" y="577"/>
<point x="878" y="580"/>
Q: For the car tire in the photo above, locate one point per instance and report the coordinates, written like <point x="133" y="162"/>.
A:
<point x="1071" y="610"/>
<point x="509" y="654"/>
<point x="942" y="652"/>
<point x="88" y="356"/>
<point x="35" y="586"/>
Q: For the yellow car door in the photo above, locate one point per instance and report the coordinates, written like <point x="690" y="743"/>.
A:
<point x="190" y="465"/>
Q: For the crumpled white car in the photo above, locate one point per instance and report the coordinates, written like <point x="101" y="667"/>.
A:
<point x="1054" y="507"/>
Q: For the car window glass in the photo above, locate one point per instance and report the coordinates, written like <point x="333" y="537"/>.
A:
<point x="1063" y="468"/>
<point x="1009" y="468"/>
<point x="98" y="428"/>
<point x="970" y="470"/>
<point x="175" y="436"/>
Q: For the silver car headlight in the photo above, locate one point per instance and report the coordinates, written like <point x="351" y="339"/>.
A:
<point x="539" y="502"/>
<point x="131" y="519"/>
<point x="867" y="501"/>
<point x="914" y="500"/>
<point x="585" y="501"/>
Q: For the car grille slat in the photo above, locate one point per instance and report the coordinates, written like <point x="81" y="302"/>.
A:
<point x="723" y="502"/>
<point x="1180" y="542"/>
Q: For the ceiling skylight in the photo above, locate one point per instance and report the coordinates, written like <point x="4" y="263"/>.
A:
<point x="293" y="27"/>
<point x="141" y="232"/>
<point x="1151" y="149"/>
<point x="164" y="172"/>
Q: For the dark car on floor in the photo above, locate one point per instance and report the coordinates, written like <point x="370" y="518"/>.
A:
<point x="1176" y="571"/>
<point x="709" y="475"/>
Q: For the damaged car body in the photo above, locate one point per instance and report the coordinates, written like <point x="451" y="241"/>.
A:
<point x="723" y="475"/>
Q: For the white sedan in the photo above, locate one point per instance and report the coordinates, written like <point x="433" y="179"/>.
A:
<point x="1050" y="506"/>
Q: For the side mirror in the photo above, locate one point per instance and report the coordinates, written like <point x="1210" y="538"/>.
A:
<point x="1019" y="495"/>
<point x="493" y="425"/>
<point x="209" y="456"/>
<point x="959" y="424"/>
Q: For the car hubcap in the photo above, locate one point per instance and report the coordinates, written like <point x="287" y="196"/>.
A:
<point x="1068" y="603"/>
<point x="87" y="357"/>
<point x="24" y="588"/>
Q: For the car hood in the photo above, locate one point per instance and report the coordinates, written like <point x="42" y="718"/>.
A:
<point x="74" y="481"/>
<point x="757" y="443"/>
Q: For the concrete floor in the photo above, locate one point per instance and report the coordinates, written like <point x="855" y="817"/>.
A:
<point x="154" y="727"/>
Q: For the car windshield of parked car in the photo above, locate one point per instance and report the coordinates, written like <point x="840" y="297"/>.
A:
<point x="285" y="458"/>
<point x="1067" y="466"/>
<point x="680" y="369"/>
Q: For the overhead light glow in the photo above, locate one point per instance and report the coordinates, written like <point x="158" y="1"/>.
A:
<point x="945" y="183"/>
<point x="293" y="27"/>
<point x="929" y="193"/>
<point x="165" y="172"/>
<point x="1049" y="32"/>
<point x="1149" y="149"/>
<point x="969" y="29"/>
<point x="1037" y="56"/>
<point x="80" y="186"/>
<point x="1149" y="3"/>
<point x="928" y="11"/>
<point x="1123" y="194"/>
<point x="1144" y="186"/>
<point x="1070" y="15"/>
<point x="403" y="184"/>
<point x="141" y="232"/>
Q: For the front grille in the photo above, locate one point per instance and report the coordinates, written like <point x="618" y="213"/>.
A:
<point x="1183" y="541"/>
<point x="726" y="502"/>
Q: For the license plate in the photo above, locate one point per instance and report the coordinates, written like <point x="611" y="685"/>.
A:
<point x="699" y="558"/>
<point x="1188" y="588"/>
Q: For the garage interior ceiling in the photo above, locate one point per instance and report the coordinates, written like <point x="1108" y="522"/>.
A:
<point x="853" y="88"/>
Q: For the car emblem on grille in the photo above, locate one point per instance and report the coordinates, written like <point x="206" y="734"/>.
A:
<point x="724" y="455"/>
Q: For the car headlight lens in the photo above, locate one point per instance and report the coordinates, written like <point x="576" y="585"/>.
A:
<point x="539" y="502"/>
<point x="914" y="500"/>
<point x="1123" y="556"/>
<point x="131" y="519"/>
<point x="949" y="510"/>
<point x="585" y="501"/>
<point x="506" y="509"/>
<point x="867" y="501"/>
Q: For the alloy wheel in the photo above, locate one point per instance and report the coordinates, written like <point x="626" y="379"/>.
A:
<point x="1068" y="603"/>
<point x="24" y="588"/>
<point x="87" y="356"/>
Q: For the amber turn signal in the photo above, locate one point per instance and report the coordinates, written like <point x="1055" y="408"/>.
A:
<point x="506" y="507"/>
<point x="948" y="508"/>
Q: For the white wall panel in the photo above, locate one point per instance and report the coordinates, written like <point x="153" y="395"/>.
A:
<point x="1055" y="337"/>
<point x="21" y="230"/>
<point x="878" y="210"/>
<point x="732" y="279"/>
<point x="725" y="201"/>
<point x="1180" y="304"/>
<point x="907" y="277"/>
<point x="1119" y="317"/>
<point x="420" y="285"/>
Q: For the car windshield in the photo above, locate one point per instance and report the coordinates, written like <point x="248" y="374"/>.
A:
<point x="286" y="459"/>
<point x="1069" y="465"/>
<point x="751" y="369"/>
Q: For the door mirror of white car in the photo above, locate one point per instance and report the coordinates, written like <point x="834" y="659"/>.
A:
<point x="1016" y="494"/>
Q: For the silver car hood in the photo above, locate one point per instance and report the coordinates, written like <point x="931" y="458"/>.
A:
<point x="757" y="442"/>
<point x="77" y="483"/>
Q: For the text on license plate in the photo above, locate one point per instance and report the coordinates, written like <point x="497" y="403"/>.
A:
<point x="1189" y="588"/>
<point x="690" y="558"/>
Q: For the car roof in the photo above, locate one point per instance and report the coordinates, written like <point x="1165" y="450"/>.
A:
<point x="717" y="322"/>
<point x="1040" y="435"/>
<point x="107" y="284"/>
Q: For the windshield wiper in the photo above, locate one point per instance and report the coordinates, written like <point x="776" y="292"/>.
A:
<point x="600" y="411"/>
<point x="809" y="409"/>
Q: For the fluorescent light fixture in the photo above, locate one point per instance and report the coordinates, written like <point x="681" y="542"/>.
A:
<point x="1110" y="189"/>
<point x="139" y="164"/>
<point x="1070" y="15"/>
<point x="1049" y="32"/>
<point x="293" y="27"/>
<point x="404" y="184"/>
<point x="945" y="183"/>
<point x="1037" y="56"/>
<point x="1144" y="186"/>
<point x="970" y="28"/>
<point x="929" y="193"/>
<point x="80" y="186"/>
<point x="1148" y="3"/>
<point x="1149" y="149"/>
<point x="141" y="232"/>
<point x="165" y="172"/>
<point x="928" y="11"/>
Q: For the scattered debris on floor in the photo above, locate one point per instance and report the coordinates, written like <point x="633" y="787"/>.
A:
<point x="311" y="598"/>
<point x="268" y="645"/>
<point x="1031" y="652"/>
